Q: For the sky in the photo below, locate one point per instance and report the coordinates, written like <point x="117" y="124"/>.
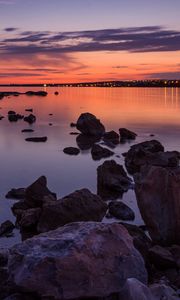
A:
<point x="58" y="41"/>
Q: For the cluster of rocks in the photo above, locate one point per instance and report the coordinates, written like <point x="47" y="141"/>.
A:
<point x="91" y="132"/>
<point x="71" y="254"/>
<point x="28" y="93"/>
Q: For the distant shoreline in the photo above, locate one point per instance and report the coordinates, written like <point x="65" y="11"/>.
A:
<point x="110" y="84"/>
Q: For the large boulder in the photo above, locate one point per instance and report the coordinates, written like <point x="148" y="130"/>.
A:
<point x="112" y="180"/>
<point x="77" y="261"/>
<point x="88" y="124"/>
<point x="141" y="154"/>
<point x="81" y="205"/>
<point x="158" y="196"/>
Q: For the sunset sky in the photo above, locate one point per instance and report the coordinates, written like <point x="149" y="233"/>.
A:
<point x="57" y="41"/>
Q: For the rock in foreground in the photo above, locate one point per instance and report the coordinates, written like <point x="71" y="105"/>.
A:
<point x="81" y="205"/>
<point x="158" y="196"/>
<point x="99" y="152"/>
<point x="40" y="139"/>
<point x="71" y="150"/>
<point x="79" y="260"/>
<point x="121" y="211"/>
<point x="88" y="124"/>
<point x="112" y="180"/>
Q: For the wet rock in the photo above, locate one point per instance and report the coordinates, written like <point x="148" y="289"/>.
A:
<point x="71" y="150"/>
<point x="81" y="205"/>
<point x="175" y="251"/>
<point x="16" y="193"/>
<point x="11" y="112"/>
<point x="27" y="130"/>
<point x="30" y="218"/>
<point x="149" y="152"/>
<point x="15" y="117"/>
<point x="158" y="197"/>
<point x="56" y="93"/>
<point x="85" y="142"/>
<point x="88" y="124"/>
<point x="50" y="124"/>
<point x="126" y="134"/>
<point x="111" y="137"/>
<point x="30" y="119"/>
<point x="29" y="109"/>
<point x="38" y="193"/>
<point x="112" y="180"/>
<point x="6" y="228"/>
<point x="99" y="152"/>
<point x="38" y="93"/>
<point x="74" y="133"/>
<point x="121" y="211"/>
<point x="141" y="241"/>
<point x="136" y="290"/>
<point x="19" y="207"/>
<point x="1" y="117"/>
<point x="73" y="125"/>
<point x="161" y="257"/>
<point x="3" y="257"/>
<point x="71" y="259"/>
<point x="37" y="139"/>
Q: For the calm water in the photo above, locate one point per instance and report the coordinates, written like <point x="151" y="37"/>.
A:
<point x="143" y="110"/>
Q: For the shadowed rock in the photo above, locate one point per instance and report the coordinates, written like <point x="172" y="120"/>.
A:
<point x="75" y="258"/>
<point x="88" y="124"/>
<point x="111" y="137"/>
<point x="81" y="205"/>
<point x="30" y="119"/>
<point x="99" y="152"/>
<point x="6" y="228"/>
<point x="27" y="130"/>
<point x="38" y="93"/>
<point x="71" y="150"/>
<point x="16" y="193"/>
<point x="158" y="197"/>
<point x="161" y="257"/>
<point x="121" y="211"/>
<point x="85" y="142"/>
<point x="112" y="180"/>
<point x="126" y="134"/>
<point x="37" y="139"/>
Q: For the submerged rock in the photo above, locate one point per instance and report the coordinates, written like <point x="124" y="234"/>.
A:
<point x="126" y="134"/>
<point x="71" y="150"/>
<point x="112" y="180"/>
<point x="121" y="211"/>
<point x="158" y="197"/>
<point x="66" y="263"/>
<point x="88" y="124"/>
<point x="85" y="142"/>
<point x="111" y="137"/>
<point x="30" y="119"/>
<point x="99" y="152"/>
<point x="38" y="93"/>
<point x="81" y="205"/>
<point x="27" y="130"/>
<point x="37" y="139"/>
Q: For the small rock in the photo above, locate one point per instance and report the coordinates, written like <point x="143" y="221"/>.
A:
<point x="37" y="139"/>
<point x="56" y="93"/>
<point x="71" y="150"/>
<point x="39" y="93"/>
<point x="27" y="130"/>
<point x="111" y="137"/>
<point x="74" y="133"/>
<point x="30" y="119"/>
<point x="121" y="211"/>
<point x="85" y="142"/>
<point x="6" y="228"/>
<point x="126" y="134"/>
<point x="99" y="152"/>
<point x="29" y="109"/>
<point x="73" y="124"/>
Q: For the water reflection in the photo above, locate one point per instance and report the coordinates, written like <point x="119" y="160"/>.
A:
<point x="143" y="110"/>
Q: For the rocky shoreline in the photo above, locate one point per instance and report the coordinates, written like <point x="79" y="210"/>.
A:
<point x="68" y="253"/>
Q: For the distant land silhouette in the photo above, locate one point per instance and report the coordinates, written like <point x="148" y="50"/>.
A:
<point x="130" y="83"/>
